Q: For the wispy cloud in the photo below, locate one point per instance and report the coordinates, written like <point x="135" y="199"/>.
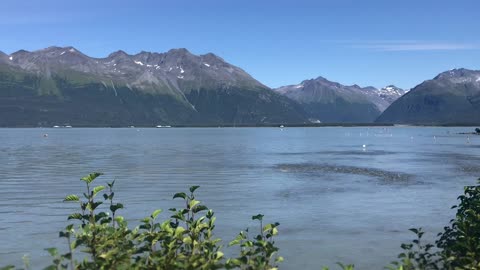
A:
<point x="412" y="45"/>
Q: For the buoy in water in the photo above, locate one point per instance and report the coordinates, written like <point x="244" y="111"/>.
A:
<point x="45" y="135"/>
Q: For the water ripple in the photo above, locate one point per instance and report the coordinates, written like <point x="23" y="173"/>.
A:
<point x="386" y="177"/>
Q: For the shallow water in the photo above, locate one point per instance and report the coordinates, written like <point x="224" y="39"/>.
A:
<point x="335" y="199"/>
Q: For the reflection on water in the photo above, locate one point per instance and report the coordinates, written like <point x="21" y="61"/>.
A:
<point x="335" y="199"/>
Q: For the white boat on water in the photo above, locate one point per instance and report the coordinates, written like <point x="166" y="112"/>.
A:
<point x="160" y="126"/>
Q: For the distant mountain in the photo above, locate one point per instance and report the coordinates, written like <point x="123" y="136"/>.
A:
<point x="391" y="93"/>
<point x="332" y="102"/>
<point x="453" y="97"/>
<point x="61" y="85"/>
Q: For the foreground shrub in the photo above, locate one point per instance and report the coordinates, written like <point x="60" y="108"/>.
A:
<point x="102" y="239"/>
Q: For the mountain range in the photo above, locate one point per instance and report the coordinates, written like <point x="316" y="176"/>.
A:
<point x="331" y="102"/>
<point x="63" y="86"/>
<point x="452" y="97"/>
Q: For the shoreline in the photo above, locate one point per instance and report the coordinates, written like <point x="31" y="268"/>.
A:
<point x="259" y="126"/>
<point x="276" y="125"/>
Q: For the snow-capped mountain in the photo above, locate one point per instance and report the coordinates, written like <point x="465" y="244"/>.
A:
<point x="330" y="101"/>
<point x="60" y="85"/>
<point x="452" y="97"/>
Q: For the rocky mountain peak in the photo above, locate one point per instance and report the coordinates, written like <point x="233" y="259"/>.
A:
<point x="459" y="75"/>
<point x="3" y="56"/>
<point x="118" y="54"/>
<point x="452" y="97"/>
<point x="146" y="88"/>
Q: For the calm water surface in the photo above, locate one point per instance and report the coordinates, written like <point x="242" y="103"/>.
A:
<point x="335" y="200"/>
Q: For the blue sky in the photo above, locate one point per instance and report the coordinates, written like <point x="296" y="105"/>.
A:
<point x="375" y="42"/>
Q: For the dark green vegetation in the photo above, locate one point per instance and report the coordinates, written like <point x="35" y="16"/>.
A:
<point x="101" y="239"/>
<point x="452" y="97"/>
<point x="184" y="241"/>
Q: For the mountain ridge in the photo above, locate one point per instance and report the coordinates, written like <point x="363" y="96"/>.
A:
<point x="187" y="88"/>
<point x="330" y="102"/>
<point x="451" y="97"/>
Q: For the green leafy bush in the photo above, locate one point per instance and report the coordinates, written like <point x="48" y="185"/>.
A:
<point x="102" y="239"/>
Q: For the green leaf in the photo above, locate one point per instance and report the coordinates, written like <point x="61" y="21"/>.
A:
<point x="64" y="234"/>
<point x="156" y="213"/>
<point x="100" y="216"/>
<point x="93" y="206"/>
<point x="180" y="195"/>
<point x="71" y="198"/>
<point x="75" y="216"/>
<point x="115" y="207"/>
<point x="52" y="251"/>
<point x="193" y="188"/>
<point x="193" y="203"/>
<point x="415" y="231"/>
<point x="234" y="242"/>
<point x="179" y="231"/>
<point x="119" y="219"/>
<point x="258" y="217"/>
<point x="219" y="255"/>
<point x="97" y="189"/>
<point x="89" y="178"/>
<point x="110" y="185"/>
<point x="199" y="208"/>
<point x="179" y="216"/>
<point x="8" y="267"/>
